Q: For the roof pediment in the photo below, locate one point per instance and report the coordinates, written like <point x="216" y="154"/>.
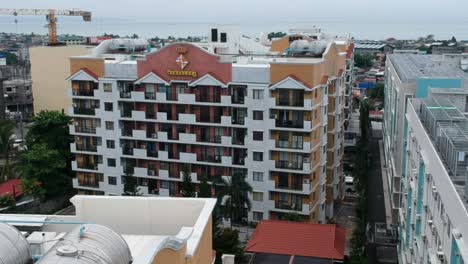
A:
<point x="83" y="75"/>
<point x="207" y="80"/>
<point x="151" y="78"/>
<point x="290" y="82"/>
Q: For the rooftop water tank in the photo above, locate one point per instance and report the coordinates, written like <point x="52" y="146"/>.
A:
<point x="14" y="249"/>
<point x="89" y="244"/>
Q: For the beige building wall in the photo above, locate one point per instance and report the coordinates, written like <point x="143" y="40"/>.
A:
<point x="50" y="66"/>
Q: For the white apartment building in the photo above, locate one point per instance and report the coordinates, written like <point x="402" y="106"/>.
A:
<point x="433" y="216"/>
<point x="276" y="118"/>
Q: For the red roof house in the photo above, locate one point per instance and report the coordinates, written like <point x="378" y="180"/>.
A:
<point x="12" y="187"/>
<point x="294" y="242"/>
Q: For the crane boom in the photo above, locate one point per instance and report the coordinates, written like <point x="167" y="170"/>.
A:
<point x="50" y="16"/>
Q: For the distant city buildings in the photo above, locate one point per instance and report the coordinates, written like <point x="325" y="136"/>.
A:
<point x="15" y="84"/>
<point x="273" y="111"/>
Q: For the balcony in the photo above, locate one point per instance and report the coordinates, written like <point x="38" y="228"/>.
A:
<point x="292" y="102"/>
<point x="151" y="153"/>
<point x="86" y="147"/>
<point x="127" y="151"/>
<point x="150" y="96"/>
<point x="125" y="95"/>
<point x="84" y="111"/>
<point x="88" y="183"/>
<point x="83" y="92"/>
<point x="210" y="158"/>
<point x="282" y="164"/>
<point x="87" y="165"/>
<point x="285" y="205"/>
<point x="290" y="123"/>
<point x="87" y="130"/>
<point x="290" y="145"/>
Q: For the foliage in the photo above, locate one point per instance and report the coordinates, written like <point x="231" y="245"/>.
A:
<point x="51" y="128"/>
<point x="47" y="166"/>
<point x="273" y="35"/>
<point x="33" y="188"/>
<point x="227" y="242"/>
<point x="234" y="194"/>
<point x="205" y="188"/>
<point x="453" y="39"/>
<point x="6" y="131"/>
<point x="7" y="200"/>
<point x="363" y="60"/>
<point x="378" y="92"/>
<point x="293" y="217"/>
<point x="187" y="188"/>
<point x="131" y="186"/>
<point x="11" y="59"/>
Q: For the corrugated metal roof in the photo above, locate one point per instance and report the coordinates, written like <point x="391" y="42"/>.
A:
<point x="369" y="46"/>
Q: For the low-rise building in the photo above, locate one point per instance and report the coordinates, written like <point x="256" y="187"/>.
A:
<point x="293" y="242"/>
<point x="115" y="229"/>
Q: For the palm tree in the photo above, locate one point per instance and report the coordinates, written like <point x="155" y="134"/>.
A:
<point x="233" y="194"/>
<point x="6" y="130"/>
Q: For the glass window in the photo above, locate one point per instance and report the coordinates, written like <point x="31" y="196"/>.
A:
<point x="257" y="156"/>
<point x="257" y="115"/>
<point x="257" y="216"/>
<point x="258" y="94"/>
<point x="258" y="196"/>
<point x="258" y="135"/>
<point x="111" y="162"/>
<point x="112" y="180"/>
<point x="110" y="144"/>
<point x="109" y="125"/>
<point x="108" y="106"/>
<point x="258" y="176"/>
<point x="107" y="87"/>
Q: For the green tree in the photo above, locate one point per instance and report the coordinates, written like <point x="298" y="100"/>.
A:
<point x="11" y="59"/>
<point x="227" y="242"/>
<point x="33" y="188"/>
<point x="7" y="200"/>
<point x="453" y="39"/>
<point x="47" y="166"/>
<point x="51" y="128"/>
<point x="363" y="60"/>
<point x="131" y="186"/>
<point x="234" y="196"/>
<point x="187" y="188"/>
<point x="205" y="188"/>
<point x="378" y="92"/>
<point x="273" y="35"/>
<point x="293" y="217"/>
<point x="6" y="132"/>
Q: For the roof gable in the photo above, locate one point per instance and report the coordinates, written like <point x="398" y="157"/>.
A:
<point x="151" y="77"/>
<point x="208" y="80"/>
<point x="290" y="82"/>
<point x="83" y="74"/>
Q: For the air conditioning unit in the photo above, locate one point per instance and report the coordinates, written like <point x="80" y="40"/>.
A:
<point x="441" y="256"/>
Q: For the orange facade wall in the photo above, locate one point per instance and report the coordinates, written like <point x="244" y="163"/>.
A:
<point x="280" y="45"/>
<point x="95" y="65"/>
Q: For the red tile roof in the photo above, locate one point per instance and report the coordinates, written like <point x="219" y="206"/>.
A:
<point x="87" y="71"/>
<point x="12" y="187"/>
<point x="298" y="239"/>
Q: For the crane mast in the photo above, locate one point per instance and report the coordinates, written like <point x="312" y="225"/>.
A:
<point x="51" y="17"/>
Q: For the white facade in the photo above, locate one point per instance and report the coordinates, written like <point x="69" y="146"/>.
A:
<point x="433" y="219"/>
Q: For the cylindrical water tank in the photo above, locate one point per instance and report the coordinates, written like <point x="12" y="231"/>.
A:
<point x="89" y="244"/>
<point x="14" y="248"/>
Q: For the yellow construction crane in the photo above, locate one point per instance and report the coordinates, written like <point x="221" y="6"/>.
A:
<point x="51" y="17"/>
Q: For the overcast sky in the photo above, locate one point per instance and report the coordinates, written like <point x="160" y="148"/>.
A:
<point x="264" y="10"/>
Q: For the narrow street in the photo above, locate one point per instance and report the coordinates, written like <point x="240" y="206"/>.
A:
<point x="375" y="198"/>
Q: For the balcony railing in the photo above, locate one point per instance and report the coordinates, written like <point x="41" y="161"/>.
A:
<point x="83" y="111"/>
<point x="152" y="153"/>
<point x="294" y="102"/>
<point x="89" y="183"/>
<point x="88" y="165"/>
<point x="89" y="130"/>
<point x="83" y="92"/>
<point x="284" y="164"/>
<point x="285" y="205"/>
<point x="287" y="144"/>
<point x="86" y="147"/>
<point x="150" y="96"/>
<point x="210" y="158"/>
<point x="211" y="139"/>
<point x="290" y="123"/>
<point x="150" y="115"/>
<point x="127" y="151"/>
<point x="125" y="94"/>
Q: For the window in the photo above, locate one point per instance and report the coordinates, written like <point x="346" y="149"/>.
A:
<point x="258" y="94"/>
<point x="107" y="87"/>
<point x="257" y="156"/>
<point x="214" y="35"/>
<point x="257" y="115"/>
<point x="180" y="88"/>
<point x="108" y="106"/>
<point x="111" y="162"/>
<point x="258" y="196"/>
<point x="223" y="37"/>
<point x="258" y="176"/>
<point x="258" y="135"/>
<point x="257" y="216"/>
<point x="112" y="180"/>
<point x="110" y="144"/>
<point x="109" y="125"/>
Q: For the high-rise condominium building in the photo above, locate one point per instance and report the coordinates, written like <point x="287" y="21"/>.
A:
<point x="229" y="106"/>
